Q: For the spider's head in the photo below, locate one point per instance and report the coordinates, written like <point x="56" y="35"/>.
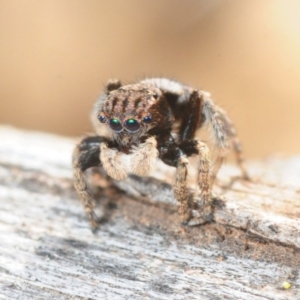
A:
<point x="134" y="111"/>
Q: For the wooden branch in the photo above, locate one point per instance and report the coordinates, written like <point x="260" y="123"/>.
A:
<point x="47" y="250"/>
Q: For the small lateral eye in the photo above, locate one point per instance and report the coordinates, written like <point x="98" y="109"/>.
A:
<point x="115" y="124"/>
<point x="147" y="119"/>
<point x="102" y="119"/>
<point x="132" y="125"/>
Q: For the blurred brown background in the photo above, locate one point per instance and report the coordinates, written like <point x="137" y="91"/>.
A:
<point x="56" y="55"/>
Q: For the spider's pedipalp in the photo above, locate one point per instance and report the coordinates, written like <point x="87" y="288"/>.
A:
<point x="113" y="162"/>
<point x="144" y="157"/>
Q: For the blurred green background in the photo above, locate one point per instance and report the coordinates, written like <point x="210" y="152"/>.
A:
<point x="56" y="55"/>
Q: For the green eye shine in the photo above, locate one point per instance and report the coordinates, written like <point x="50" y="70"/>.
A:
<point x="131" y="121"/>
<point x="115" y="124"/>
<point x="132" y="125"/>
<point x="115" y="121"/>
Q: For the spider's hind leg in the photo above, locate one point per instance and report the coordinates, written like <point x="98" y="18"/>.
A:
<point x="224" y="133"/>
<point x="235" y="141"/>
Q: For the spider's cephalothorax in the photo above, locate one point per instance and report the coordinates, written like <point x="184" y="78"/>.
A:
<point x="155" y="118"/>
<point x="134" y="112"/>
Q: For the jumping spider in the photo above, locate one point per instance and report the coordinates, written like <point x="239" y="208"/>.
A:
<point x="155" y="118"/>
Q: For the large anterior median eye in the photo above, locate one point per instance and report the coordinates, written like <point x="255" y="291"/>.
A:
<point x="132" y="125"/>
<point x="115" y="124"/>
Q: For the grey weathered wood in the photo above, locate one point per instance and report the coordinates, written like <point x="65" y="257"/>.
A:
<point x="47" y="250"/>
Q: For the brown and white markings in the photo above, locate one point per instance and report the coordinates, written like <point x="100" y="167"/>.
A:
<point x="156" y="118"/>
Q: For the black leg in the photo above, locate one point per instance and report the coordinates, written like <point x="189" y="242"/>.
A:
<point x="86" y="155"/>
<point x="197" y="210"/>
<point x="172" y="155"/>
<point x="192" y="117"/>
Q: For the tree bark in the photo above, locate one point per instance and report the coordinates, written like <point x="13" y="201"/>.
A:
<point x="47" y="250"/>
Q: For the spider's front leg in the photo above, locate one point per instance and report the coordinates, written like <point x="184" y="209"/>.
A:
<point x="94" y="151"/>
<point x="86" y="154"/>
<point x="191" y="213"/>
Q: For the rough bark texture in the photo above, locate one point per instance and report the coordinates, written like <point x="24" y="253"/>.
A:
<point x="47" y="250"/>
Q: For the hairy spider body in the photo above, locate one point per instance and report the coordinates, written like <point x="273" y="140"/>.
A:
<point x="155" y="118"/>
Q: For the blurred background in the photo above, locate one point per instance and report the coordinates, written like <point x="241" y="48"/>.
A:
<point x="56" y="55"/>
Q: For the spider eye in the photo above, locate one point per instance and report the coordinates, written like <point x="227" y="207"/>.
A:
<point x="115" y="124"/>
<point x="132" y="125"/>
<point x="102" y="119"/>
<point x="147" y="119"/>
